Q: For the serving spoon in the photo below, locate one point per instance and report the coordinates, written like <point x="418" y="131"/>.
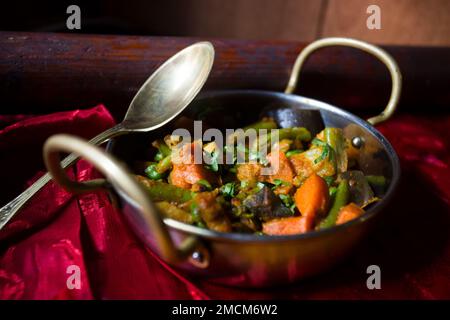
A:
<point x="166" y="93"/>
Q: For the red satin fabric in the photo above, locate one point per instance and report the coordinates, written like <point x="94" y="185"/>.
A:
<point x="57" y="230"/>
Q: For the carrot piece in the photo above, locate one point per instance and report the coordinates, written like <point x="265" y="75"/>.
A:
<point x="312" y="198"/>
<point x="184" y="175"/>
<point x="287" y="226"/>
<point x="284" y="172"/>
<point x="349" y="212"/>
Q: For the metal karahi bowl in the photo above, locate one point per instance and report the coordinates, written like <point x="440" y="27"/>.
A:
<point x="239" y="259"/>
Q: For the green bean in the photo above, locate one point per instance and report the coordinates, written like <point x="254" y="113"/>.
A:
<point x="340" y="199"/>
<point x="152" y="173"/>
<point x="334" y="137"/>
<point x="266" y="123"/>
<point x="162" y="147"/>
<point x="164" y="165"/>
<point x="161" y="191"/>
<point x="172" y="211"/>
<point x="158" y="156"/>
<point x="300" y="133"/>
<point x="294" y="133"/>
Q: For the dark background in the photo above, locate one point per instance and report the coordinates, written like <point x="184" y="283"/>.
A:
<point x="47" y="72"/>
<point x="404" y="22"/>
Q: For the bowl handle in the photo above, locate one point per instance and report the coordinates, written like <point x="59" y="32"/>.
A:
<point x="381" y="54"/>
<point x="117" y="175"/>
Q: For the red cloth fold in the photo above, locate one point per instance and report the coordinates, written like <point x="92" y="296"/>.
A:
<point x="57" y="230"/>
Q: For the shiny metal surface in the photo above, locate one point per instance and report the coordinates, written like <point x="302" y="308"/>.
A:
<point x="161" y="98"/>
<point x="146" y="218"/>
<point x="250" y="260"/>
<point x="235" y="258"/>
<point x="377" y="52"/>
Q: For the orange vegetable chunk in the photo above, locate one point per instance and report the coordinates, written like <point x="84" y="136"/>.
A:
<point x="312" y="198"/>
<point x="284" y="172"/>
<point x="349" y="212"/>
<point x="184" y="175"/>
<point x="287" y="226"/>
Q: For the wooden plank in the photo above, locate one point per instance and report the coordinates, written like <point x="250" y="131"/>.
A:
<point x="42" y="73"/>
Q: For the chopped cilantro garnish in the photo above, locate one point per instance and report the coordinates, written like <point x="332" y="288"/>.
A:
<point x="287" y="201"/>
<point x="279" y="183"/>
<point x="327" y="151"/>
<point x="261" y="185"/>
<point x="329" y="180"/>
<point x="228" y="189"/>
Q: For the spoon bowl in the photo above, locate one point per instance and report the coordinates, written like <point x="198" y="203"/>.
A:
<point x="170" y="89"/>
<point x="166" y="93"/>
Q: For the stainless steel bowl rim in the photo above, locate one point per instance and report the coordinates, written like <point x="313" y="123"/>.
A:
<point x="244" y="237"/>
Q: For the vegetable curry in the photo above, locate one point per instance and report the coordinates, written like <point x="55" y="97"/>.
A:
<point x="316" y="184"/>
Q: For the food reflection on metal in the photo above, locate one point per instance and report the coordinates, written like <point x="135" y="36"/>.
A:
<point x="370" y="156"/>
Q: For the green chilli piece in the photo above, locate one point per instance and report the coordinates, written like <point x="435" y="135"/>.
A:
<point x="161" y="191"/>
<point x="340" y="199"/>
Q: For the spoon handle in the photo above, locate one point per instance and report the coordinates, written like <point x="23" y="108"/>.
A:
<point x="11" y="208"/>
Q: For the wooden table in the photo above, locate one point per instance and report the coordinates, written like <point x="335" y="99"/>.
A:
<point x="43" y="72"/>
